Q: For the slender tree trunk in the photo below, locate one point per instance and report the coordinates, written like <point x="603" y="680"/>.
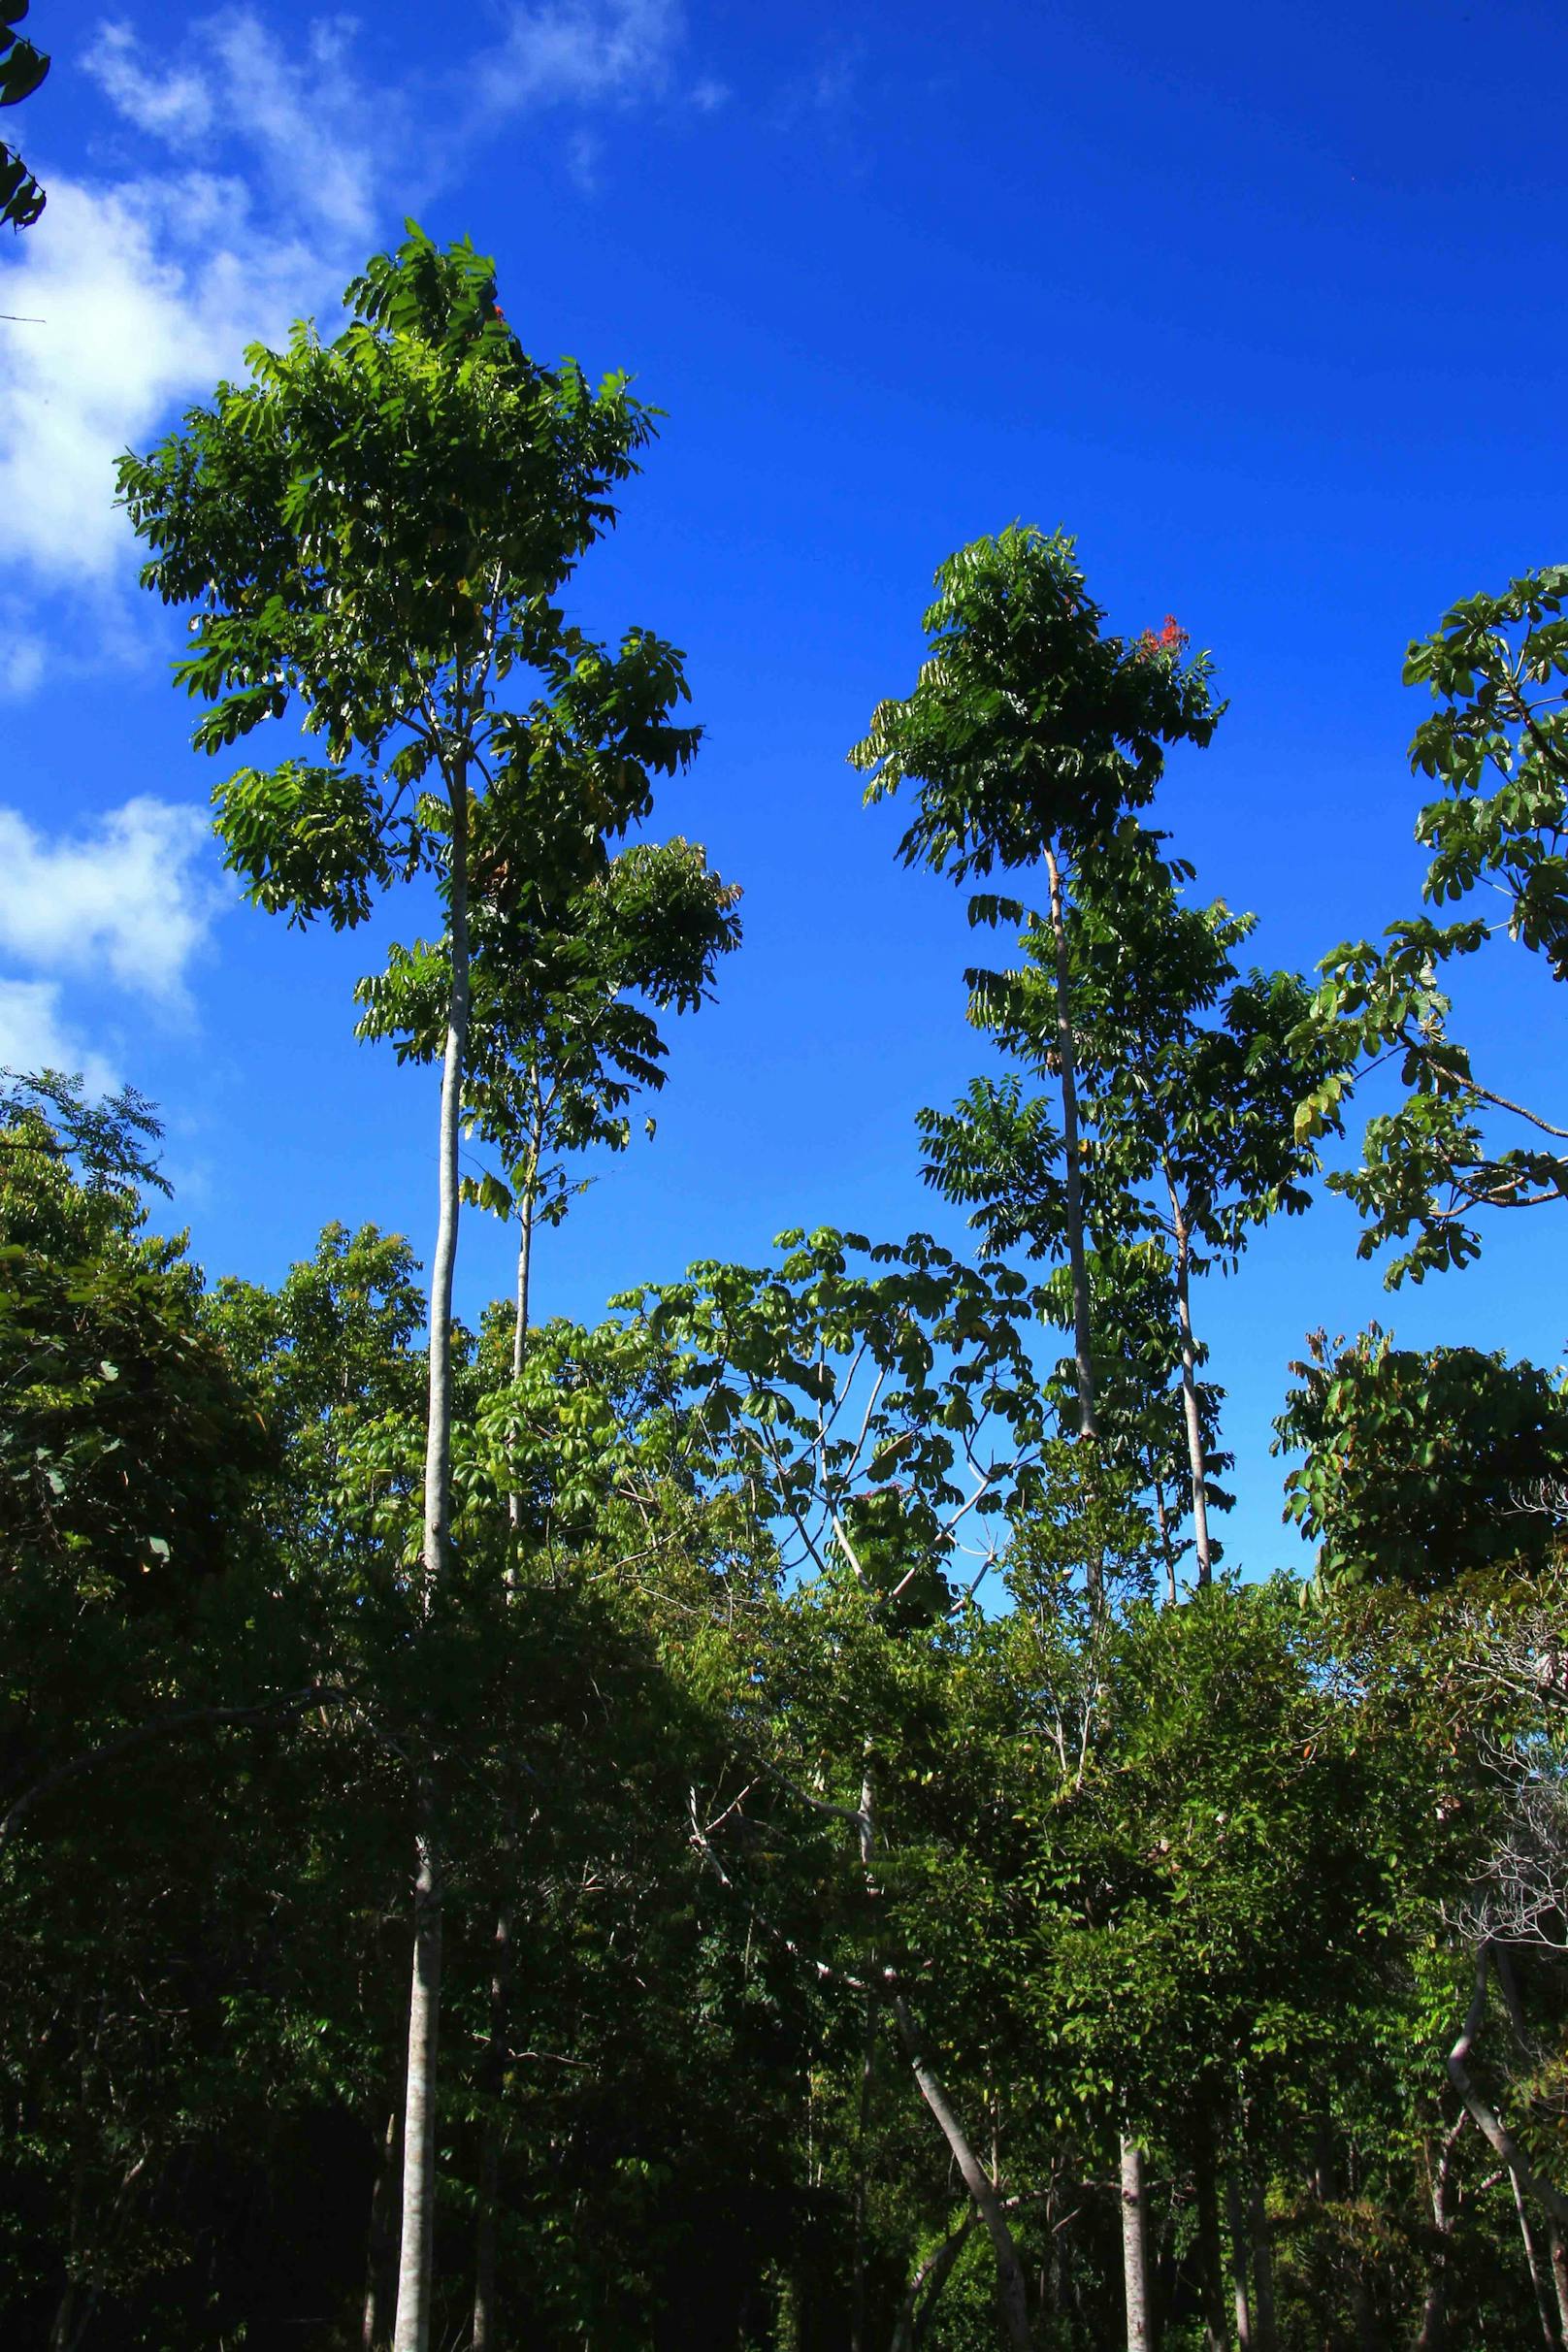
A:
<point x="1077" y="1257"/>
<point x="438" y="1422"/>
<point x="412" y="2331"/>
<point x="486" y="2332"/>
<point x="381" y="2241"/>
<point x="65" y="2333"/>
<point x="1167" y="1547"/>
<point x="914" y="2316"/>
<point x="1532" y="2263"/>
<point x="1240" y="2261"/>
<point x="1190" y="1404"/>
<point x="858" y="2338"/>
<point x="1265" y="2328"/>
<point x="414" y="2280"/>
<point x="520" y="1326"/>
<point x="1135" y="2247"/>
<point x="1434" y="2324"/>
<point x="1491" y="2126"/>
<point x="486" y="2336"/>
<point x="1211" y="2254"/>
<point x="1559" y="2272"/>
<point x="1012" y="2295"/>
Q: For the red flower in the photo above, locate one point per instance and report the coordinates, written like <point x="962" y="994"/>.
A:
<point x="1169" y="638"/>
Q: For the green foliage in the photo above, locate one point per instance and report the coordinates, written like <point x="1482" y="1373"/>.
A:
<point x="375" y="530"/>
<point x="1028" y="726"/>
<point x="23" y="68"/>
<point x="1424" y="1465"/>
<point x="1498" y="746"/>
<point x="564" y="996"/>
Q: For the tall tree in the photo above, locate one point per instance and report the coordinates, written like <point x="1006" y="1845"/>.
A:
<point x="373" y="533"/>
<point x="562" y="995"/>
<point x="1032" y="736"/>
<point x="1185" y="1095"/>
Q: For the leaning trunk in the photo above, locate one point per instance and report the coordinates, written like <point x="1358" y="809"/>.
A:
<point x="412" y="2331"/>
<point x="1135" y="2247"/>
<point x="1012" y="2295"/>
<point x="914" y="2317"/>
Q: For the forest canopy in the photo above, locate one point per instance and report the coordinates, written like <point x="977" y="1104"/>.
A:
<point x="769" y="1820"/>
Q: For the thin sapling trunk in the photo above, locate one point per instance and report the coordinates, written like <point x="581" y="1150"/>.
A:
<point x="414" y="2280"/>
<point x="1077" y="1260"/>
<point x="1135" y="2247"/>
<point x="1190" y="1404"/>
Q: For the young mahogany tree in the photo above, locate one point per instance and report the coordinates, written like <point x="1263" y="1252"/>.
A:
<point x="1032" y="736"/>
<point x="1185" y="1097"/>
<point x="372" y="534"/>
<point x="563" y="990"/>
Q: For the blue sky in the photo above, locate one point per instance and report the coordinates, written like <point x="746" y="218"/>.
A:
<point x="1262" y="304"/>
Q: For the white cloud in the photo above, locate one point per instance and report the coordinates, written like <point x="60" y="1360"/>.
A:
<point x="33" y="1036"/>
<point x="148" y="292"/>
<point x="150" y="287"/>
<point x="582" y="51"/>
<point x="270" y="178"/>
<point x="128" y="899"/>
<point x="174" y="106"/>
<point x="238" y="88"/>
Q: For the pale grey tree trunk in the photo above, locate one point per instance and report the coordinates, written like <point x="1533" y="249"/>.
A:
<point x="414" y="2264"/>
<point x="414" y="2280"/>
<point x="1532" y="2263"/>
<point x="1012" y="2295"/>
<point x="1491" y="2126"/>
<point x="1559" y="2271"/>
<point x="1240" y="2262"/>
<point x="1135" y="2247"/>
<point x="858" y="2338"/>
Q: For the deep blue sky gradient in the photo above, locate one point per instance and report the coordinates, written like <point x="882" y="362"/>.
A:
<point x="1263" y="305"/>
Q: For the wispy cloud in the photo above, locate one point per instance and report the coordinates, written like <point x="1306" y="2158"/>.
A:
<point x="34" y="1036"/>
<point x="129" y="898"/>
<point x="271" y="175"/>
<point x="583" y="50"/>
<point x="149" y="286"/>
